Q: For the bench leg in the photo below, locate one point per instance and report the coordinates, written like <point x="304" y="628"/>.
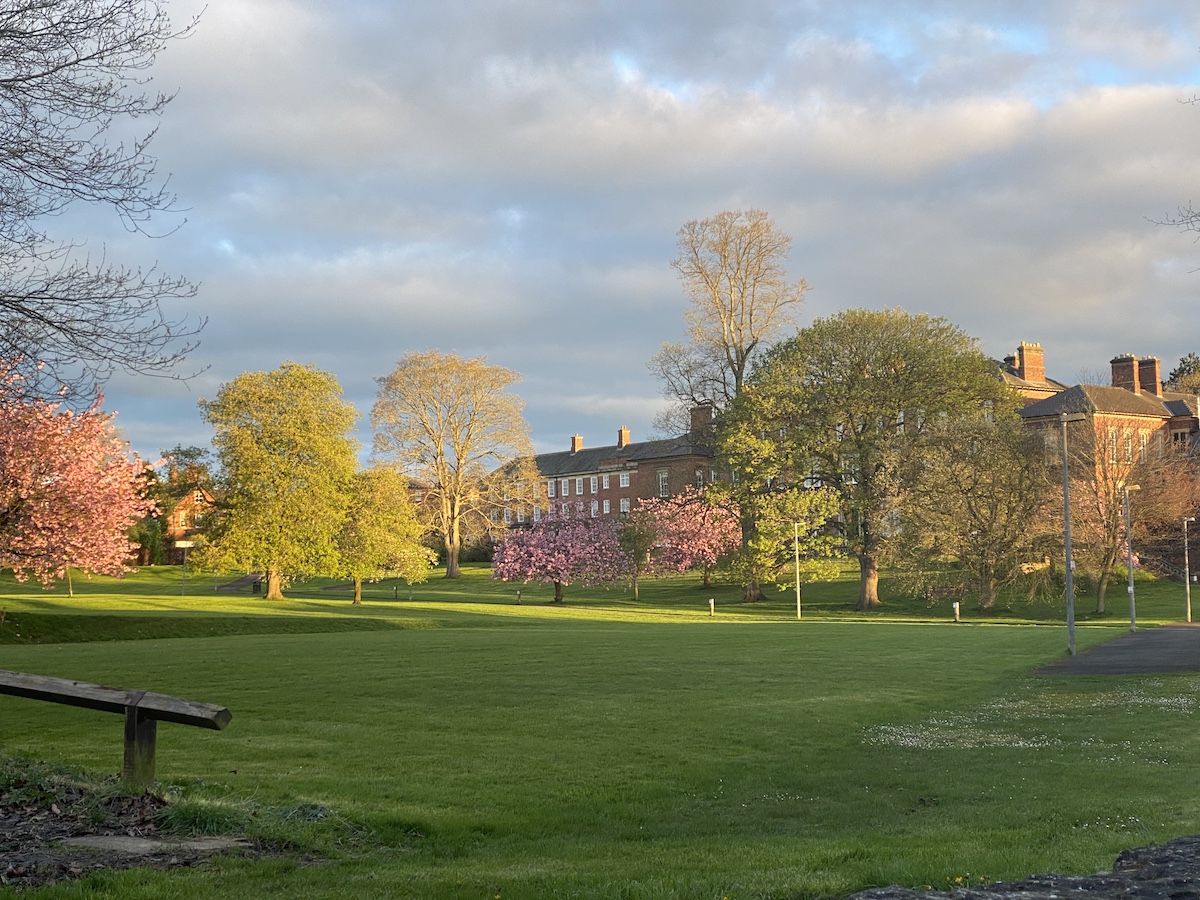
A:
<point x="140" y="734"/>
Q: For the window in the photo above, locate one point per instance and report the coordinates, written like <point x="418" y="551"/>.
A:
<point x="1128" y="445"/>
<point x="537" y="514"/>
<point x="566" y="487"/>
<point x="624" y="482"/>
<point x="607" y="509"/>
<point x="604" y="481"/>
<point x="1143" y="443"/>
<point x="579" y="507"/>
<point x="663" y="477"/>
<point x="566" y="510"/>
<point x="624" y="505"/>
<point x="595" y="508"/>
<point x="578" y="487"/>
<point x="595" y="484"/>
<point x="550" y="488"/>
<point x="699" y="478"/>
<point x="1112" y="444"/>
<point x="521" y="516"/>
<point x="507" y="516"/>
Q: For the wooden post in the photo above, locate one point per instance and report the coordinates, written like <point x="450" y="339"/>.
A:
<point x="712" y="606"/>
<point x="141" y="732"/>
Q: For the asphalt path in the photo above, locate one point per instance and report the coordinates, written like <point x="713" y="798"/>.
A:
<point x="1168" y="648"/>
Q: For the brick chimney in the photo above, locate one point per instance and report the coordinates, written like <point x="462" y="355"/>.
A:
<point x="576" y="443"/>
<point x="1031" y="362"/>
<point x="702" y="418"/>
<point x="622" y="437"/>
<point x="1150" y="375"/>
<point x="1125" y="373"/>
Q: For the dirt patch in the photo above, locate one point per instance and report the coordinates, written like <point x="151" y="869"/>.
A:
<point x="48" y="840"/>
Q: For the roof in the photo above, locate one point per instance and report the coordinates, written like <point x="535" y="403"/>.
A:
<point x="565" y="463"/>
<point x="1008" y="374"/>
<point x="1094" y="398"/>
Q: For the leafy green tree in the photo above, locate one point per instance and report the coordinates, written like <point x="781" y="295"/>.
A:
<point x="381" y="537"/>
<point x="979" y="510"/>
<point x="287" y="458"/>
<point x="847" y="402"/>
<point x="1185" y="377"/>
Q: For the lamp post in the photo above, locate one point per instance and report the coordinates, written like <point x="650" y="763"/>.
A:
<point x="1129" y="556"/>
<point x="796" y="553"/>
<point x="1187" y="572"/>
<point x="1063" y="419"/>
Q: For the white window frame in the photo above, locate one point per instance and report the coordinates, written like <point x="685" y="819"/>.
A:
<point x="578" y="487"/>
<point x="566" y="487"/>
<point x="624" y="479"/>
<point x="594" y="484"/>
<point x="550" y="488"/>
<point x="624" y="505"/>
<point x="604" y="481"/>
<point x="607" y="508"/>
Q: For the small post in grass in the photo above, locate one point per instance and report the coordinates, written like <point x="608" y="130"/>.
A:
<point x="712" y="607"/>
<point x="956" y="611"/>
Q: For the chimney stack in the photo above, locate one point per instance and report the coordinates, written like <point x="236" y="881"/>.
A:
<point x="702" y="418"/>
<point x="576" y="443"/>
<point x="1150" y="375"/>
<point x="622" y="437"/>
<point x="1125" y="373"/>
<point x="1031" y="362"/>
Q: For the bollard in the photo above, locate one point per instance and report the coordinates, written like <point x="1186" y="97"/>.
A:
<point x="712" y="607"/>
<point x="518" y="596"/>
<point x="955" y="610"/>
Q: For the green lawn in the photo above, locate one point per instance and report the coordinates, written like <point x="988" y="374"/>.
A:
<point x="461" y="746"/>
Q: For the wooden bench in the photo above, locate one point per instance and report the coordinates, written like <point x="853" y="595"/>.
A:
<point x="142" y="710"/>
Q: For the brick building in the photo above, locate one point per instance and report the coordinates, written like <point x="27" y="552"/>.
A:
<point x="608" y="481"/>
<point x="1129" y="418"/>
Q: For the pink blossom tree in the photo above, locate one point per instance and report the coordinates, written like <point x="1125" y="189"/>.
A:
<point x="692" y="532"/>
<point x="560" y="550"/>
<point x="69" y="488"/>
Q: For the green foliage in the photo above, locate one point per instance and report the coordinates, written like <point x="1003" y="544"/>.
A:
<point x="977" y="512"/>
<point x="381" y="536"/>
<point x="848" y="402"/>
<point x="1186" y="375"/>
<point x="283" y="439"/>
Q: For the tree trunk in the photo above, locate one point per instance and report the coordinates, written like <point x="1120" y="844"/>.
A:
<point x="274" y="585"/>
<point x="987" y="593"/>
<point x="868" y="581"/>
<point x="558" y="592"/>
<point x="752" y="592"/>
<point x="635" y="587"/>
<point x="1101" y="590"/>
<point x="707" y="576"/>
<point x="357" y="591"/>
<point x="452" y="567"/>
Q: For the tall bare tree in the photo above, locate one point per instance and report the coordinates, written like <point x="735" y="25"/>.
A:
<point x="732" y="266"/>
<point x="459" y="433"/>
<point x="73" y="72"/>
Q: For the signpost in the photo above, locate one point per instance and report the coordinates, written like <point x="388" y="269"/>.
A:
<point x="184" y="545"/>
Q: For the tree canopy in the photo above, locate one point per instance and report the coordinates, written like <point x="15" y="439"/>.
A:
<point x="381" y="536"/>
<point x="457" y="430"/>
<point x="69" y="488"/>
<point x="560" y="550"/>
<point x="848" y="400"/>
<point x="73" y="77"/>
<point x="732" y="266"/>
<point x="287" y="458"/>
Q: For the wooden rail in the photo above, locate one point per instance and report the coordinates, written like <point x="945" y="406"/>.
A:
<point x="142" y="710"/>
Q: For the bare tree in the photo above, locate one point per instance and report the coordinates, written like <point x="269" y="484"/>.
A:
<point x="73" y="73"/>
<point x="732" y="269"/>
<point x="455" y="429"/>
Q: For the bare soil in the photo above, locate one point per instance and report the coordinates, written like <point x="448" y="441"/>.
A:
<point x="35" y="837"/>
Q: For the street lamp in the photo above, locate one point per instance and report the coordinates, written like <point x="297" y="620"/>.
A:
<point x="1063" y="419"/>
<point x="1129" y="556"/>
<point x="1187" y="573"/>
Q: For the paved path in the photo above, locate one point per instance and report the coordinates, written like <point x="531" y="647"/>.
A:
<point x="1168" y="648"/>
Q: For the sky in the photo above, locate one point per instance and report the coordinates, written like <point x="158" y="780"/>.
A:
<point x="506" y="179"/>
